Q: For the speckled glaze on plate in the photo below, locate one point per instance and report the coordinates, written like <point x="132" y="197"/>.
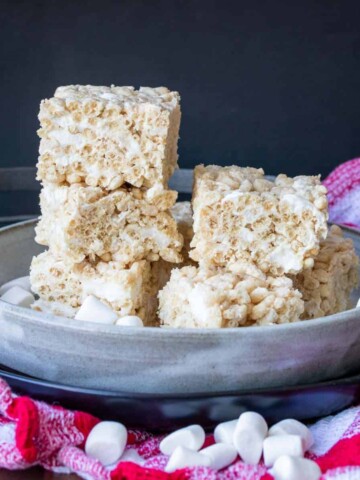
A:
<point x="154" y="360"/>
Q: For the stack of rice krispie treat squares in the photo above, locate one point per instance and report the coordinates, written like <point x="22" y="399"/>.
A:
<point x="263" y="251"/>
<point x="106" y="155"/>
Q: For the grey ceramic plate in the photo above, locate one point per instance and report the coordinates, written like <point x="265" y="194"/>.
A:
<point x="161" y="361"/>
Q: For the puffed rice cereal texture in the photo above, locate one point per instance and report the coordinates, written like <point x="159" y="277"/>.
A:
<point x="109" y="136"/>
<point x="216" y="298"/>
<point x="326" y="287"/>
<point x="127" y="225"/>
<point x="62" y="286"/>
<point x="239" y="215"/>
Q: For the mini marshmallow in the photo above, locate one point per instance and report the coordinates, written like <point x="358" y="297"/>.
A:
<point x="131" y="455"/>
<point x="221" y="454"/>
<point x="253" y="420"/>
<point x="358" y="304"/>
<point x="23" y="282"/>
<point x="191" y="437"/>
<point x="106" y="442"/>
<point x="278" y="445"/>
<point x="295" y="468"/>
<point x="224" y="432"/>
<point x="184" y="457"/>
<point x="250" y="431"/>
<point x="293" y="427"/>
<point x="92" y="310"/>
<point x="18" y="296"/>
<point x="129" y="321"/>
<point x="248" y="444"/>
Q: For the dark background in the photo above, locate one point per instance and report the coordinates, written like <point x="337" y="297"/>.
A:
<point x="263" y="83"/>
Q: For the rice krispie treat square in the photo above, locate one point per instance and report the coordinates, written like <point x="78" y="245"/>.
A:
<point x="216" y="298"/>
<point x="326" y="287"/>
<point x="108" y="136"/>
<point x="62" y="286"/>
<point x="126" y="225"/>
<point x="239" y="215"/>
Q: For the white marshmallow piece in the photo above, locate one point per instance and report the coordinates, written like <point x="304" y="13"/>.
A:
<point x="183" y="457"/>
<point x="92" y="310"/>
<point x="224" y="432"/>
<point x="221" y="454"/>
<point x="23" y="282"/>
<point x="249" y="444"/>
<point x="358" y="304"/>
<point x="106" y="442"/>
<point x="278" y="445"/>
<point x="131" y="455"/>
<point x="250" y="431"/>
<point x="294" y="468"/>
<point x="253" y="420"/>
<point x="191" y="437"/>
<point x="129" y="321"/>
<point x="18" y="296"/>
<point x="293" y="427"/>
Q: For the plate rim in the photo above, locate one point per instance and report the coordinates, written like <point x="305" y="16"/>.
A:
<point x="191" y="395"/>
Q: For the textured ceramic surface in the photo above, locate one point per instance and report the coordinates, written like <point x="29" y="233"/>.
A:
<point x="155" y="360"/>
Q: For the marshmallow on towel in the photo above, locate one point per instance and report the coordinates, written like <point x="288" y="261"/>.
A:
<point x="106" y="442"/>
<point x="224" y="432"/>
<point x="293" y="427"/>
<point x="191" y="437"/>
<point x="221" y="454"/>
<point x="183" y="457"/>
<point x="294" y="468"/>
<point x="277" y="445"/>
<point x="249" y="435"/>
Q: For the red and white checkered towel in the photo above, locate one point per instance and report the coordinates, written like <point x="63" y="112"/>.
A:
<point x="34" y="433"/>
